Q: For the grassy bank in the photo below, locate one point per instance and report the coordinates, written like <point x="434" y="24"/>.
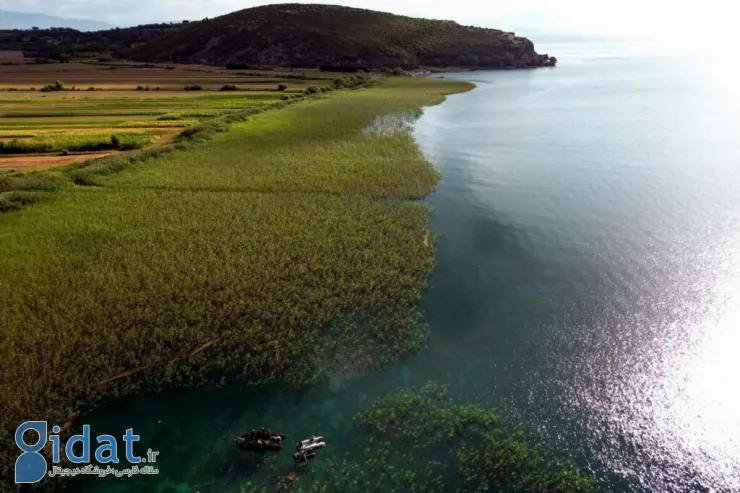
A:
<point x="282" y="249"/>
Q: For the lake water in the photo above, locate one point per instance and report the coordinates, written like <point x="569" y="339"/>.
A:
<point x="587" y="281"/>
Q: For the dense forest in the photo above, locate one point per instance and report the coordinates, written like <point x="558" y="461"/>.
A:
<point x="64" y="43"/>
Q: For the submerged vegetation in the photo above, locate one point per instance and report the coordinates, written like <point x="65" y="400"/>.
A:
<point x="474" y="447"/>
<point x="423" y="440"/>
<point x="283" y="248"/>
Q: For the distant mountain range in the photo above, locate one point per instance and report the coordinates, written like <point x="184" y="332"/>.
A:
<point x="22" y="20"/>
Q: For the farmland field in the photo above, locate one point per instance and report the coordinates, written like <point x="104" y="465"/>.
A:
<point x="97" y="106"/>
<point x="19" y="73"/>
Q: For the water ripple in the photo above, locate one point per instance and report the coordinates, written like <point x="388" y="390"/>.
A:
<point x="593" y="211"/>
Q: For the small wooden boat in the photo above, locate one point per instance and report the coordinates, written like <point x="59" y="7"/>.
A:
<point x="310" y="444"/>
<point x="260" y="440"/>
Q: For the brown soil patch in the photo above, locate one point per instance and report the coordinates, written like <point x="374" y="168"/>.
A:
<point x="11" y="56"/>
<point x="49" y="160"/>
<point x="142" y="130"/>
<point x="127" y="75"/>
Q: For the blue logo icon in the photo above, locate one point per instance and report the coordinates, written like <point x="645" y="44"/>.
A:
<point x="30" y="466"/>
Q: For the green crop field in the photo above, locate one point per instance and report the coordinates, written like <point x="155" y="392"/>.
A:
<point x="61" y="123"/>
<point x="78" y="141"/>
<point x="28" y="117"/>
<point x="159" y="122"/>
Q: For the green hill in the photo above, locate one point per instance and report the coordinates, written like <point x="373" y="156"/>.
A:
<point x="60" y="43"/>
<point x="309" y="34"/>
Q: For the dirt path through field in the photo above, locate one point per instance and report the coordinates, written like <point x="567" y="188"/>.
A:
<point x="49" y="161"/>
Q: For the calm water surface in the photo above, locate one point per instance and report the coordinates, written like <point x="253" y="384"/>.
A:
<point x="587" y="282"/>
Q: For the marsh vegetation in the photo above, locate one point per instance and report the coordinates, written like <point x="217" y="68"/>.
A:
<point x="268" y="247"/>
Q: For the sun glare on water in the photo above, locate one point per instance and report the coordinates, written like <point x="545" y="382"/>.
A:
<point x="667" y="405"/>
<point x="700" y="383"/>
<point x="688" y="415"/>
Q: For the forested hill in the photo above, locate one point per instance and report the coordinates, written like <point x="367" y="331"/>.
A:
<point x="297" y="35"/>
<point x="312" y="34"/>
<point x="63" y="43"/>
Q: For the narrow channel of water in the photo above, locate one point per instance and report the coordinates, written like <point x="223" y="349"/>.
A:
<point x="587" y="284"/>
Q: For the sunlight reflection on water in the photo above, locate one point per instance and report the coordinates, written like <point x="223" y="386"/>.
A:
<point x="668" y="406"/>
<point x="698" y="396"/>
<point x="597" y="222"/>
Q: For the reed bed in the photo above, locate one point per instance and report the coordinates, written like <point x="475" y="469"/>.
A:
<point x="282" y="250"/>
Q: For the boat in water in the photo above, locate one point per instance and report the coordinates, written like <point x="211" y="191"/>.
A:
<point x="304" y="456"/>
<point x="260" y="440"/>
<point x="310" y="444"/>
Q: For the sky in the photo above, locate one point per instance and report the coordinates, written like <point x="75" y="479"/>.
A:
<point x="686" y="21"/>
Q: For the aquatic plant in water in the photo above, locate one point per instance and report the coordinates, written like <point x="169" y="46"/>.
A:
<point x="422" y="440"/>
<point x="476" y="447"/>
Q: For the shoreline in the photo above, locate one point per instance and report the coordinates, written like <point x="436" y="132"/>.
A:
<point x="380" y="395"/>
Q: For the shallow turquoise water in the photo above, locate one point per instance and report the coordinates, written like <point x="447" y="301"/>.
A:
<point x="587" y="283"/>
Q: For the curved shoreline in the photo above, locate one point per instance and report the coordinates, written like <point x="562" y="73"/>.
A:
<point x="342" y="409"/>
